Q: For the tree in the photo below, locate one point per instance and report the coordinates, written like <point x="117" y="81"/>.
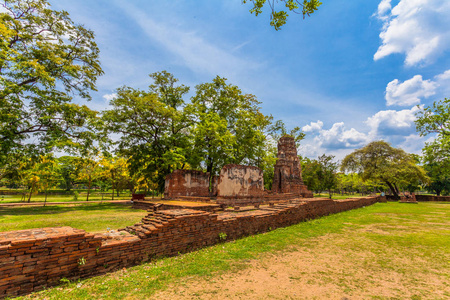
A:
<point x="278" y="130"/>
<point x="153" y="127"/>
<point x="437" y="164"/>
<point x="228" y="126"/>
<point x="435" y="119"/>
<point x="69" y="170"/>
<point x="310" y="169"/>
<point x="381" y="162"/>
<point x="327" y="173"/>
<point x="320" y="174"/>
<point x="89" y="171"/>
<point x="48" y="172"/>
<point x="44" y="59"/>
<point x="115" y="170"/>
<point x="278" y="18"/>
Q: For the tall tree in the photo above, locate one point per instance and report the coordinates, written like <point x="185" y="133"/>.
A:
<point x="44" y="59"/>
<point x="229" y="126"/>
<point x="436" y="162"/>
<point x="153" y="127"/>
<point x="69" y="170"/>
<point x="327" y="173"/>
<point x="381" y="162"/>
<point x="320" y="174"/>
<point x="435" y="119"/>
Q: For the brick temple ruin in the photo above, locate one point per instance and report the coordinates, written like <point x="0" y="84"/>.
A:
<point x="239" y="185"/>
<point x="34" y="259"/>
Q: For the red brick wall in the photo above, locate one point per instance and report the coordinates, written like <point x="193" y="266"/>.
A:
<point x="33" y="259"/>
<point x="432" y="198"/>
<point x="186" y="183"/>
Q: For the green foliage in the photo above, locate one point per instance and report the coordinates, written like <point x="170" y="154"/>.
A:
<point x="81" y="261"/>
<point x="153" y="127"/>
<point x="278" y="130"/>
<point x="222" y="236"/>
<point x="44" y="59"/>
<point x="278" y="17"/>
<point x="75" y="196"/>
<point x="436" y="162"/>
<point x="310" y="169"/>
<point x="228" y="126"/>
<point x="435" y="119"/>
<point x="380" y="162"/>
<point x="352" y="182"/>
<point x="320" y="174"/>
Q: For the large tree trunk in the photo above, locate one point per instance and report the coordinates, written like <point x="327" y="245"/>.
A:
<point x="393" y="190"/>
<point x="31" y="191"/>
<point x="209" y="169"/>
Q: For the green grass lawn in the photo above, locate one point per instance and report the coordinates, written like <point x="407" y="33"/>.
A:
<point x="63" y="198"/>
<point x="94" y="217"/>
<point x="412" y="240"/>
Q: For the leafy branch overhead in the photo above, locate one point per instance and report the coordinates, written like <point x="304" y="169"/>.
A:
<point x="278" y="17"/>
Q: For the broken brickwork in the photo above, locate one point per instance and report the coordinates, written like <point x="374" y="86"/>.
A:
<point x="186" y="183"/>
<point x="287" y="171"/>
<point x="34" y="259"/>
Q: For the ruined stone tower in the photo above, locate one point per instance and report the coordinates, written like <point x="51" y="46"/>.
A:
<point x="287" y="172"/>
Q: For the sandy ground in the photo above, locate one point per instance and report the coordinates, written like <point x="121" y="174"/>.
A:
<point x="326" y="268"/>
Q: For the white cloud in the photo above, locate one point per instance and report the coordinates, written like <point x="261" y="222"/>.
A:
<point x="444" y="76"/>
<point x="391" y="122"/>
<point x="418" y="28"/>
<point x="109" y="97"/>
<point x="413" y="143"/>
<point x="383" y="8"/>
<point x="313" y="126"/>
<point x="410" y="91"/>
<point x="338" y="137"/>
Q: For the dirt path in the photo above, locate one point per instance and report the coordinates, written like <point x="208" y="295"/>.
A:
<point x="328" y="267"/>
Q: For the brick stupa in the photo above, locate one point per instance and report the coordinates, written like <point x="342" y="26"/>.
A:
<point x="288" y="172"/>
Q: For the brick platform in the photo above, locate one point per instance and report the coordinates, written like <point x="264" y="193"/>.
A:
<point x="31" y="260"/>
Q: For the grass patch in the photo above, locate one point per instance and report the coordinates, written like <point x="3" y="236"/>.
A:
<point x="409" y="239"/>
<point x="61" y="196"/>
<point x="94" y="217"/>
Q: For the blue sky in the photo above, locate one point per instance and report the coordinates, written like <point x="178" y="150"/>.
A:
<point x="351" y="73"/>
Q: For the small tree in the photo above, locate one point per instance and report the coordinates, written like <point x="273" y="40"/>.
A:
<point x="327" y="173"/>
<point x="48" y="172"/>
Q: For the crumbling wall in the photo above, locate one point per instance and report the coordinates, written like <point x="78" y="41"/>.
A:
<point x="237" y="181"/>
<point x="186" y="183"/>
<point x="34" y="259"/>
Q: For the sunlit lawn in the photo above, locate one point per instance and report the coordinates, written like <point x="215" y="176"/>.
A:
<point x="387" y="235"/>
<point x="94" y="196"/>
<point x="93" y="217"/>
